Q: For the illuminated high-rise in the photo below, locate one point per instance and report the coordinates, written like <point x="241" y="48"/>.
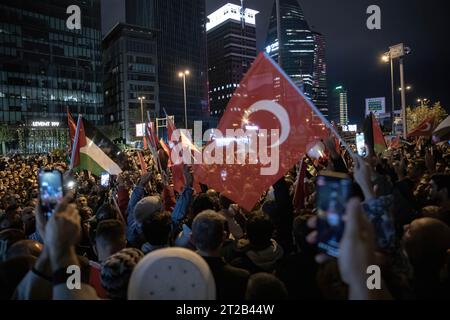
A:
<point x="231" y="51"/>
<point x="319" y="89"/>
<point x="297" y="44"/>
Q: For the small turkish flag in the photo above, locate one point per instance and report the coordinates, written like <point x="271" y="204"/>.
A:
<point x="280" y="126"/>
<point x="424" y="129"/>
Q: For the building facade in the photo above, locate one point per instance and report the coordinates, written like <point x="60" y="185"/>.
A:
<point x="319" y="88"/>
<point x="297" y="44"/>
<point x="130" y="69"/>
<point x="47" y="68"/>
<point x="181" y="45"/>
<point x="231" y="36"/>
<point x="341" y="104"/>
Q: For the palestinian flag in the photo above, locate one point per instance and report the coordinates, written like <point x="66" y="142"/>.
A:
<point x="94" y="151"/>
<point x="373" y="135"/>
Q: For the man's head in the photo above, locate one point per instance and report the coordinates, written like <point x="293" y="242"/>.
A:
<point x="415" y="169"/>
<point x="259" y="230"/>
<point x="85" y="213"/>
<point x="116" y="272"/>
<point x="11" y="220"/>
<point x="426" y="241"/>
<point x="157" y="228"/>
<point x="24" y="248"/>
<point x="107" y="212"/>
<point x="81" y="202"/>
<point x="147" y="207"/>
<point x="201" y="203"/>
<point x="29" y="220"/>
<point x="265" y="286"/>
<point x="208" y="232"/>
<point x="109" y="238"/>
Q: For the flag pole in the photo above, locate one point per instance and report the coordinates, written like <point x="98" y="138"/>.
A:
<point x="75" y="142"/>
<point x="153" y="141"/>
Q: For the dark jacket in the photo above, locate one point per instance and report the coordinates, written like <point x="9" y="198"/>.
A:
<point x="231" y="282"/>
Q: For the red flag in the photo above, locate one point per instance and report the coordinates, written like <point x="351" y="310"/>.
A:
<point x="299" y="194"/>
<point x="177" y="170"/>
<point x="164" y="147"/>
<point x="142" y="163"/>
<point x="145" y="146"/>
<point x="424" y="129"/>
<point x="72" y="128"/>
<point x="265" y="101"/>
<point x="77" y="140"/>
<point x="395" y="143"/>
<point x="379" y="144"/>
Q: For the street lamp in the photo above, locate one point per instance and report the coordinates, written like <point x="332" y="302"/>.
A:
<point x="423" y="101"/>
<point x="408" y="88"/>
<point x="386" y="57"/>
<point x="399" y="51"/>
<point x="183" y="74"/>
<point x="142" y="108"/>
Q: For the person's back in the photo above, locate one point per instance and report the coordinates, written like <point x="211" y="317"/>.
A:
<point x="157" y="231"/>
<point x="231" y="282"/>
<point x="426" y="242"/>
<point x="260" y="253"/>
<point x="208" y="235"/>
<point x="298" y="270"/>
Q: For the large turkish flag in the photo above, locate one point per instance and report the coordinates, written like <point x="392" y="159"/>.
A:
<point x="266" y="100"/>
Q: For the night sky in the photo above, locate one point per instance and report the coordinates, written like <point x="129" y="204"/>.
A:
<point x="353" y="51"/>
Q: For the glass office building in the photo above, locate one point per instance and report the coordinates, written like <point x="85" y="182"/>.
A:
<point x="130" y="67"/>
<point x="231" y="51"/>
<point x="46" y="68"/>
<point x="181" y="26"/>
<point x="297" y="44"/>
<point x="341" y="105"/>
<point x="319" y="89"/>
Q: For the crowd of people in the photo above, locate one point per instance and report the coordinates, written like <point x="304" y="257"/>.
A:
<point x="137" y="238"/>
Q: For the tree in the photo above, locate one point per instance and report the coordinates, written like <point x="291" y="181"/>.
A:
<point x="414" y="116"/>
<point x="5" y="135"/>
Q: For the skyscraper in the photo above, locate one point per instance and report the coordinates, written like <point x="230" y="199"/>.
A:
<point x="181" y="45"/>
<point x="297" y="44"/>
<point x="130" y="67"/>
<point x="341" y="104"/>
<point x="319" y="89"/>
<point x="46" y="67"/>
<point x="231" y="50"/>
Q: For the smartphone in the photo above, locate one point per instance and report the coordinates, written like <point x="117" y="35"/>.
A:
<point x="50" y="191"/>
<point x="104" y="179"/>
<point x="333" y="192"/>
<point x="361" y="145"/>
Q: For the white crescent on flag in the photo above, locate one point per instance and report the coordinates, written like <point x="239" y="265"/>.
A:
<point x="278" y="111"/>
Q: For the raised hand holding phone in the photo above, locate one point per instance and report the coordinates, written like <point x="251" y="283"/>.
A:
<point x="333" y="191"/>
<point x="51" y="191"/>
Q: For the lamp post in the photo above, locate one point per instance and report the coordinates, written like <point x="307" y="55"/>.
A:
<point x="399" y="51"/>
<point x="183" y="75"/>
<point x="387" y="58"/>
